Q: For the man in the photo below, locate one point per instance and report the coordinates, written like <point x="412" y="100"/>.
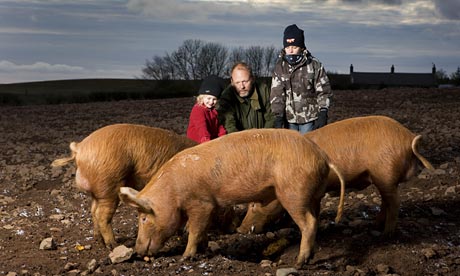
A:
<point x="301" y="91"/>
<point x="245" y="103"/>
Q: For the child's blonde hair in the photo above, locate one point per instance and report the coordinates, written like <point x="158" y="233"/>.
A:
<point x="199" y="99"/>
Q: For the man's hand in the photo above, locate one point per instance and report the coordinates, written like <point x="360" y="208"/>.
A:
<point x="322" y="118"/>
<point x="279" y="122"/>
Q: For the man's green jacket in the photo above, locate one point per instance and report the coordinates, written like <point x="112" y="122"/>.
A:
<point x="237" y="113"/>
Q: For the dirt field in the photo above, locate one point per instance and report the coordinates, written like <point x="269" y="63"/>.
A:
<point x="39" y="202"/>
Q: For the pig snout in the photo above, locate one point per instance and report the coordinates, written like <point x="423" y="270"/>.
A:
<point x="142" y="248"/>
<point x="257" y="216"/>
<point x="147" y="245"/>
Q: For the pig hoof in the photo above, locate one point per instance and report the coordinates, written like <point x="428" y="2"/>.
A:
<point x="301" y="264"/>
<point x="111" y="246"/>
<point x="389" y="234"/>
<point x="187" y="258"/>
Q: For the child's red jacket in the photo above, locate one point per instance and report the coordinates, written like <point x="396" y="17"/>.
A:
<point x="203" y="124"/>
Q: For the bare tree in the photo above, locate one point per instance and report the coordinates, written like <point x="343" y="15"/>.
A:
<point x="441" y="76"/>
<point x="152" y="69"/>
<point x="237" y="55"/>
<point x="185" y="59"/>
<point x="195" y="59"/>
<point x="192" y="49"/>
<point x="158" y="69"/>
<point x="212" y="60"/>
<point x="177" y="60"/>
<point x="455" y="77"/>
<point x="170" y="68"/>
<point x="270" y="57"/>
<point x="261" y="59"/>
<point x="254" y="56"/>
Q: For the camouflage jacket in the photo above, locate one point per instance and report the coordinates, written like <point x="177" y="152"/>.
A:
<point x="237" y="113"/>
<point x="299" y="92"/>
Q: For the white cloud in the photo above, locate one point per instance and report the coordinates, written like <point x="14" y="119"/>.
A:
<point x="174" y="9"/>
<point x="56" y="39"/>
<point x="34" y="31"/>
<point x="366" y="12"/>
<point x="201" y="11"/>
<point x="12" y="72"/>
<point x="7" y="66"/>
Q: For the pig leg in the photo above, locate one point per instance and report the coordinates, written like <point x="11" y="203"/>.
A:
<point x="389" y="210"/>
<point x="307" y="220"/>
<point x="96" y="230"/>
<point x="308" y="227"/>
<point x="198" y="220"/>
<point x="102" y="211"/>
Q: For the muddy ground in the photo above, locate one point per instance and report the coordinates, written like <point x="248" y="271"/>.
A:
<point x="39" y="202"/>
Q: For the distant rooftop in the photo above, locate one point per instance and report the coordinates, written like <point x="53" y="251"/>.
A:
<point x="393" y="79"/>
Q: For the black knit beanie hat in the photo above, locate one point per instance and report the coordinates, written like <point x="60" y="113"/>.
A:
<point x="211" y="85"/>
<point x="293" y="36"/>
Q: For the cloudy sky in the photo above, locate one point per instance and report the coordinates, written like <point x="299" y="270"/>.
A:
<point x="62" y="39"/>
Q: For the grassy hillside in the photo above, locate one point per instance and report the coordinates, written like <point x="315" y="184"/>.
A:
<point x="90" y="90"/>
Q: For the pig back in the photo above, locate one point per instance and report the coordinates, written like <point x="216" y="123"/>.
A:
<point x="365" y="147"/>
<point x="127" y="153"/>
<point x="242" y="164"/>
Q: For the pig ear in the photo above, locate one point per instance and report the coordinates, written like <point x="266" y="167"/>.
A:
<point x="129" y="196"/>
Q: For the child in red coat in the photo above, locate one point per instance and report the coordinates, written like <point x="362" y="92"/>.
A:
<point x="203" y="124"/>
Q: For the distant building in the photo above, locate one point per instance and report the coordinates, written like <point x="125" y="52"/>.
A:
<point x="372" y="79"/>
